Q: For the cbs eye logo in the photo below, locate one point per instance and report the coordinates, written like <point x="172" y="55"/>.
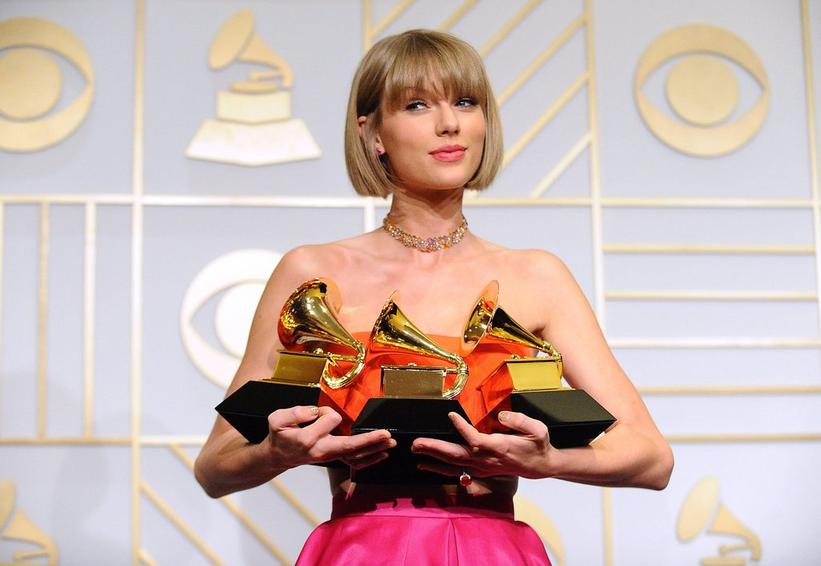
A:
<point x="702" y="90"/>
<point x="31" y="84"/>
<point x="240" y="277"/>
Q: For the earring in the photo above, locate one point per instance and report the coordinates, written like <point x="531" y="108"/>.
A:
<point x="378" y="151"/>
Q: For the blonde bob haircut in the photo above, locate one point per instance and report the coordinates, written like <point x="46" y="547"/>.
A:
<point x="415" y="61"/>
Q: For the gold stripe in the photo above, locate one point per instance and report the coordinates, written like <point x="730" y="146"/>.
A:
<point x="88" y="317"/>
<point x="389" y="19"/>
<point x="136" y="277"/>
<point x="146" y="558"/>
<point x="508" y="27"/>
<point x="597" y="241"/>
<point x="707" y="249"/>
<point x="809" y="82"/>
<point x="172" y="516"/>
<point x="246" y="521"/>
<point x="255" y="201"/>
<point x="236" y="510"/>
<point x="544" y="119"/>
<point x="541" y="59"/>
<point x="687" y="202"/>
<point x="167" y="440"/>
<point x="361" y="202"/>
<point x="42" y="323"/>
<point x="595" y="188"/>
<point x="367" y="15"/>
<point x="66" y="441"/>
<point x="76" y="198"/>
<point x="456" y="15"/>
<point x="547" y="181"/>
<point x="607" y="513"/>
<point x="576" y="202"/>
<point x="2" y="275"/>
<point x="747" y="390"/>
<point x="295" y="502"/>
<point x="711" y="343"/>
<point x="709" y="296"/>
<point x="713" y="438"/>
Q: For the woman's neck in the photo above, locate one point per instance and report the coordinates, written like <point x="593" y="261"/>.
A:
<point x="427" y="213"/>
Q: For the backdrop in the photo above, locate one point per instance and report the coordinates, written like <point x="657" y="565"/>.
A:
<point x="157" y="158"/>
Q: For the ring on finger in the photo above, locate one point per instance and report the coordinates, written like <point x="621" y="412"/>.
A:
<point x="465" y="479"/>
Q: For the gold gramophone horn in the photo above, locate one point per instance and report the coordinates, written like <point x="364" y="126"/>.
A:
<point x="393" y="331"/>
<point x="309" y="315"/>
<point x="489" y="322"/>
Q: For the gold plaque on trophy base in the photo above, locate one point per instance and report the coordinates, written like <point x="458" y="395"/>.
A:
<point x="534" y="374"/>
<point x="413" y="381"/>
<point x="299" y="368"/>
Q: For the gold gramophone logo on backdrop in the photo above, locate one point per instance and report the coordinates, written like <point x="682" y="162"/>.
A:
<point x="702" y="90"/>
<point x="31" y="84"/>
<point x="15" y="525"/>
<point x="702" y="511"/>
<point x="240" y="276"/>
<point x="254" y="126"/>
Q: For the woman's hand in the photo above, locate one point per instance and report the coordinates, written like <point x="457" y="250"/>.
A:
<point x="290" y="444"/>
<point x="527" y="454"/>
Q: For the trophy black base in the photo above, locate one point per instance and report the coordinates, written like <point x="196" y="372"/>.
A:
<point x="407" y="419"/>
<point x="572" y="416"/>
<point x="247" y="408"/>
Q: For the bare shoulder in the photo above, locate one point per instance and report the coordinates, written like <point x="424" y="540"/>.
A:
<point x="535" y="264"/>
<point x="313" y="260"/>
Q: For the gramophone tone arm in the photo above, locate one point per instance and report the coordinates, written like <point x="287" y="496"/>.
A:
<point x="358" y="362"/>
<point x="461" y="371"/>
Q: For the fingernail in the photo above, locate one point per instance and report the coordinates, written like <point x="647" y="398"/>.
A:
<point x="314" y="410"/>
<point x="504" y="415"/>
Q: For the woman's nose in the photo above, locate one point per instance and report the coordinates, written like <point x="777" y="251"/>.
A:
<point x="448" y="120"/>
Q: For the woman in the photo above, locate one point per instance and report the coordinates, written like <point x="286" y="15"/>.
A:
<point x="423" y="125"/>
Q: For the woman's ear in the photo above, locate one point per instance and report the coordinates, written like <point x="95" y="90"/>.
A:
<point x="378" y="148"/>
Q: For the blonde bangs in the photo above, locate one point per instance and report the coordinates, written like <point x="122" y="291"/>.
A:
<point x="435" y="65"/>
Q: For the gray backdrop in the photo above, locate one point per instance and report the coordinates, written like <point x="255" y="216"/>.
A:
<point x="702" y="270"/>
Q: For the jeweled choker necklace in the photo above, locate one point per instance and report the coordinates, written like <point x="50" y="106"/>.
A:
<point x="432" y="244"/>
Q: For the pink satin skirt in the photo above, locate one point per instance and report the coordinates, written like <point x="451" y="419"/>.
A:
<point x="444" y="530"/>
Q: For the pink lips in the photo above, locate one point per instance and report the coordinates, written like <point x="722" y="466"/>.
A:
<point x="448" y="153"/>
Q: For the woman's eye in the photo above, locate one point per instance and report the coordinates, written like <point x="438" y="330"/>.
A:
<point x="466" y="102"/>
<point x="415" y="105"/>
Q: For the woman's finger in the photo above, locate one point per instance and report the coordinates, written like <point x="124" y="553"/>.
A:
<point x="380" y="446"/>
<point x="291" y="417"/>
<point x="327" y="421"/>
<point x="442" y="450"/>
<point x="334" y="447"/>
<point x="472" y="436"/>
<point x="364" y="462"/>
<point x="522" y="423"/>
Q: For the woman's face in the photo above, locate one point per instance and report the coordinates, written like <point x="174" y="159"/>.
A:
<point x="433" y="141"/>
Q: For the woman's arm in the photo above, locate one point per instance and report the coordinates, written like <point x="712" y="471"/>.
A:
<point x="632" y="453"/>
<point x="227" y="462"/>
